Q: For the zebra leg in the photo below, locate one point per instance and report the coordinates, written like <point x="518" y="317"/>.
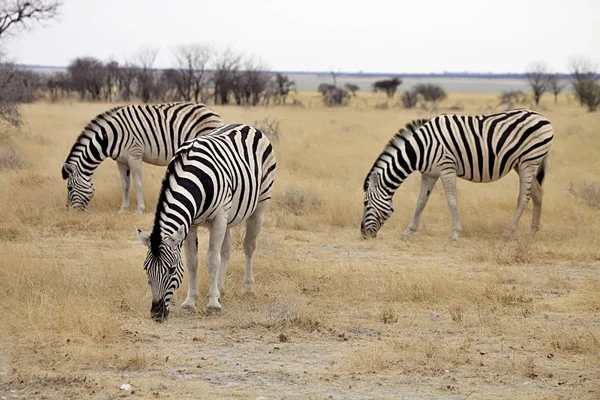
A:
<point x="225" y="256"/>
<point x="191" y="261"/>
<point x="427" y="184"/>
<point x="449" y="181"/>
<point x="253" y="226"/>
<point x="125" y="183"/>
<point x="537" y="193"/>
<point x="526" y="176"/>
<point x="136" y="172"/>
<point x="218" y="229"/>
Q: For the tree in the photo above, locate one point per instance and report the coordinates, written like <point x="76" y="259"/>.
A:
<point x="14" y="15"/>
<point x="389" y="86"/>
<point x="585" y="78"/>
<point x="88" y="76"/>
<point x="125" y="79"/>
<point x="189" y="76"/>
<point x="555" y="86"/>
<point x="146" y="77"/>
<point x="225" y="69"/>
<point x="537" y="77"/>
<point x="352" y="88"/>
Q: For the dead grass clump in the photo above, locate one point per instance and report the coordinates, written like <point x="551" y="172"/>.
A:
<point x="456" y="313"/>
<point x="10" y="158"/>
<point x="587" y="193"/>
<point x="572" y="339"/>
<point x="506" y="297"/>
<point x="388" y="315"/>
<point x="513" y="252"/>
<point x="270" y="127"/>
<point x="11" y="233"/>
<point x="299" y="201"/>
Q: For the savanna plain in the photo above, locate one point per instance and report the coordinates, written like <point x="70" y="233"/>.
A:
<point x="332" y="315"/>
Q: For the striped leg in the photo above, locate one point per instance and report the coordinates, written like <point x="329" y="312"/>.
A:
<point x="125" y="183"/>
<point x="253" y="226"/>
<point x="225" y="256"/>
<point x="136" y="172"/>
<point x="449" y="181"/>
<point x="427" y="184"/>
<point x="218" y="229"/>
<point x="526" y="176"/>
<point x="191" y="261"/>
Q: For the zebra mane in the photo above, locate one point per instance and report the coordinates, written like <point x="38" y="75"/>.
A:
<point x="397" y="140"/>
<point x="88" y="127"/>
<point x="155" y="236"/>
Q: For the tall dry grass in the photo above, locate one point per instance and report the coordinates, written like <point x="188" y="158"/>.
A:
<point x="75" y="296"/>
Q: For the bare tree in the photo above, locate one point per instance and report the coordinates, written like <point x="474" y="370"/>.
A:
<point x="16" y="14"/>
<point x="146" y="77"/>
<point x="125" y="80"/>
<point x="352" y="88"/>
<point x="585" y="77"/>
<point x="111" y="77"/>
<point x="190" y="77"/>
<point x="555" y="86"/>
<point x="225" y="68"/>
<point x="537" y="77"/>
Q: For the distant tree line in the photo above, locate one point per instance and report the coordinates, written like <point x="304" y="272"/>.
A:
<point x="584" y="79"/>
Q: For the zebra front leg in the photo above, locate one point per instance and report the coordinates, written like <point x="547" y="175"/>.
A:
<point x="427" y="184"/>
<point x="225" y="256"/>
<point x="253" y="226"/>
<point x="136" y="171"/>
<point x="218" y="229"/>
<point x="125" y="183"/>
<point x="526" y="174"/>
<point x="449" y="182"/>
<point x="191" y="261"/>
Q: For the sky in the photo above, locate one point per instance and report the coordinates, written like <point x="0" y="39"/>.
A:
<point x="321" y="35"/>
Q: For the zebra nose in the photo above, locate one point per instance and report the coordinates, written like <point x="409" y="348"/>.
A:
<point x="159" y="311"/>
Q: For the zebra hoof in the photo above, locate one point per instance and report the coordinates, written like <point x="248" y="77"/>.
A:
<point x="189" y="307"/>
<point x="213" y="310"/>
<point x="122" y="211"/>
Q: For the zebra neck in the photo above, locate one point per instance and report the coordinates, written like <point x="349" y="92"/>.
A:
<point x="396" y="164"/>
<point x="88" y="152"/>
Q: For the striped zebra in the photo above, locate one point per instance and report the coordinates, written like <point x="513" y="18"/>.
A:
<point x="477" y="148"/>
<point x="218" y="180"/>
<point x="129" y="135"/>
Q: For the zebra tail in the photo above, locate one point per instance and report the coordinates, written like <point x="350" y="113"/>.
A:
<point x="543" y="169"/>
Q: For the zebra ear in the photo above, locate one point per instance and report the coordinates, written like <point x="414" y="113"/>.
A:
<point x="143" y="237"/>
<point x="175" y="239"/>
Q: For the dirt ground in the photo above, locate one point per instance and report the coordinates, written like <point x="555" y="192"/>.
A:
<point x="332" y="316"/>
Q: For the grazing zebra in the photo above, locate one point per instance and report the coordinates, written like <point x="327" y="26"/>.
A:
<point x="478" y="148"/>
<point x="218" y="180"/>
<point x="129" y="135"/>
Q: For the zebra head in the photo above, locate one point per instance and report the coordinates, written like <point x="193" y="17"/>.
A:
<point x="80" y="188"/>
<point x="164" y="268"/>
<point x="378" y="206"/>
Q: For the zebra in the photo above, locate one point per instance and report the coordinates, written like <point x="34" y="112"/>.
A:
<point x="129" y="135"/>
<point x="477" y="148"/>
<point x="219" y="181"/>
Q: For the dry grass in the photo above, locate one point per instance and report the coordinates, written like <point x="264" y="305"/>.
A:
<point x="332" y="315"/>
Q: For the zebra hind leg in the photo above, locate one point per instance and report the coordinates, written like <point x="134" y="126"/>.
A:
<point x="537" y="194"/>
<point x="225" y="256"/>
<point x="253" y="226"/>
<point x="191" y="257"/>
<point x="526" y="176"/>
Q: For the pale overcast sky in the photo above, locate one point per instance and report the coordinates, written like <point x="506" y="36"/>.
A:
<point x="317" y="35"/>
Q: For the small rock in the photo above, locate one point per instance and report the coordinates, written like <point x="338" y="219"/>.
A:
<point x="435" y="317"/>
<point x="126" y="387"/>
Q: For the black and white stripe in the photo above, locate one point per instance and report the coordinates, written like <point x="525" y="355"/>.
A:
<point x="478" y="148"/>
<point x="131" y="135"/>
<point x="218" y="180"/>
